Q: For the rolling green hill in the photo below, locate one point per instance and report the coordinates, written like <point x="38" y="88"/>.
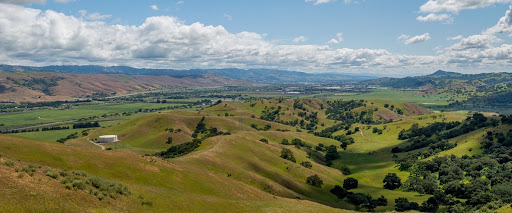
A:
<point x="241" y="163"/>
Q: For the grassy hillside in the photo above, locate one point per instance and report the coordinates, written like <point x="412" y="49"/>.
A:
<point x="34" y="86"/>
<point x="240" y="169"/>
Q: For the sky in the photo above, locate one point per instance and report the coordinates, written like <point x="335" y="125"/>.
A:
<point x="385" y="37"/>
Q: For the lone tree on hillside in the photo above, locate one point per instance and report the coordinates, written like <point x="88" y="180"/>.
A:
<point x="392" y="181"/>
<point x="314" y="180"/>
<point x="287" y="154"/>
<point x="350" y="183"/>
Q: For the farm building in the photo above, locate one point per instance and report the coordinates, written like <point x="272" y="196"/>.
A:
<point x="107" y="139"/>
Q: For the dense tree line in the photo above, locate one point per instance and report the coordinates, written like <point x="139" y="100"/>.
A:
<point x="29" y="105"/>
<point x="86" y="125"/>
<point x="180" y="149"/>
<point x="435" y="135"/>
<point x="54" y="128"/>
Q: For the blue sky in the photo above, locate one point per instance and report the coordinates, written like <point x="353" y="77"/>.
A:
<point x="363" y="36"/>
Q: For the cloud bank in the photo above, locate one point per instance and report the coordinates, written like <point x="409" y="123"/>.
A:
<point x="36" y="37"/>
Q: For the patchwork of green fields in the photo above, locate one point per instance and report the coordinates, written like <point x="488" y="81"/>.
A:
<point x="59" y="115"/>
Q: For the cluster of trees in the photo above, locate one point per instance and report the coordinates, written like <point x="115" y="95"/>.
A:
<point x="86" y="125"/>
<point x="271" y="113"/>
<point x="69" y="137"/>
<point x="18" y="131"/>
<point x="306" y="164"/>
<point x="34" y="130"/>
<point x="206" y="132"/>
<point x="427" y="131"/>
<point x="342" y="110"/>
<point x="359" y="200"/>
<point x="377" y="130"/>
<point x="29" y="105"/>
<point x="180" y="149"/>
<point x="54" y="128"/>
<point x="328" y="132"/>
<point x="484" y="180"/>
<point x="296" y="142"/>
<point x="435" y="135"/>
<point x="264" y="128"/>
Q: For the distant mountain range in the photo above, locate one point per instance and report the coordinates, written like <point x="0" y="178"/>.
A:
<point x="252" y="75"/>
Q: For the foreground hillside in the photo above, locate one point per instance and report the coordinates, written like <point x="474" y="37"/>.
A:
<point x="277" y="155"/>
<point x="30" y="86"/>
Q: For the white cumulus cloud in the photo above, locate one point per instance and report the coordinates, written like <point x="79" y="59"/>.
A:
<point x="407" y="39"/>
<point x="154" y="7"/>
<point x="45" y="37"/>
<point x="435" y="6"/>
<point x="504" y="25"/>
<point x="337" y="40"/>
<point x="300" y="39"/>
<point x="455" y="38"/>
<point x="445" y="18"/>
<point x="317" y="2"/>
<point x="23" y="1"/>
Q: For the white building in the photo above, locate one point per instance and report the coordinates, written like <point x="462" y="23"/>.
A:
<point x="108" y="139"/>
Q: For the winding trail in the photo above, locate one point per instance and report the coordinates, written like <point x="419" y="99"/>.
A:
<point x="360" y="130"/>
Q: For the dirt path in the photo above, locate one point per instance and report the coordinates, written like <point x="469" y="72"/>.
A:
<point x="360" y="130"/>
<point x="102" y="147"/>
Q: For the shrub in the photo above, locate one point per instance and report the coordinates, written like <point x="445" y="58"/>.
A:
<point x="9" y="163"/>
<point x="285" y="142"/>
<point x="306" y="164"/>
<point x="30" y="169"/>
<point x="315" y="181"/>
<point x="96" y="186"/>
<point x="51" y="174"/>
<point x="264" y="140"/>
<point x="146" y="202"/>
<point x="345" y="170"/>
